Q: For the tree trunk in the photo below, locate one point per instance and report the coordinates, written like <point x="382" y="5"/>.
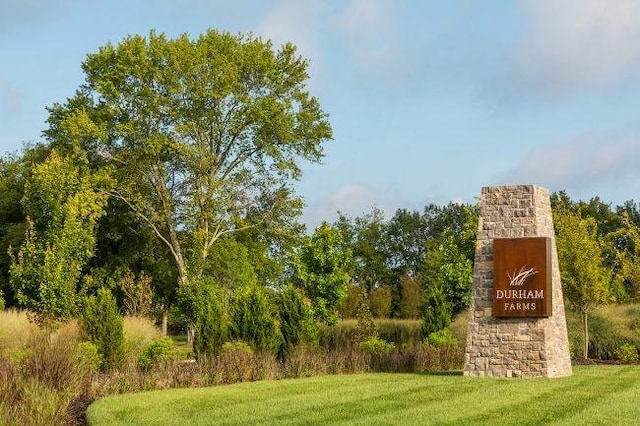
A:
<point x="586" y="334"/>
<point x="165" y="321"/>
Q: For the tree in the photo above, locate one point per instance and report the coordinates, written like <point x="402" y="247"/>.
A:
<point x="437" y="311"/>
<point x="585" y="282"/>
<point x="63" y="201"/>
<point x="14" y="172"/>
<point x="204" y="136"/>
<point x="320" y="269"/>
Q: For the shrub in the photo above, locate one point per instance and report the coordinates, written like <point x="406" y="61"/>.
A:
<point x="627" y="353"/>
<point x="155" y="353"/>
<point x="296" y="318"/>
<point x="443" y="337"/>
<point x="437" y="311"/>
<point x="89" y="356"/>
<point x="378" y="352"/>
<point x="203" y="301"/>
<point x="253" y="319"/>
<point x="102" y="325"/>
<point x="376" y="347"/>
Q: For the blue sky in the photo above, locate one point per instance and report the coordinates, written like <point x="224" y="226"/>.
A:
<point x="429" y="100"/>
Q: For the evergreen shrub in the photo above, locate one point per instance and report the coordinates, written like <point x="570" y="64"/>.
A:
<point x="296" y="319"/>
<point x="102" y="325"/>
<point x="252" y="319"/>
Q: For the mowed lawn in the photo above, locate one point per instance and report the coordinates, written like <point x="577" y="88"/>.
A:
<point x="594" y="395"/>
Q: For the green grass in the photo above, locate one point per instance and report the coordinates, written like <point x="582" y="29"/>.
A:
<point x="593" y="395"/>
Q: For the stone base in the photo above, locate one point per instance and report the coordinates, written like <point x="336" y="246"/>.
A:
<point x="523" y="347"/>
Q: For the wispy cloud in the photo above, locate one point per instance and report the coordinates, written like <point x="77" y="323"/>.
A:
<point x="577" y="44"/>
<point x="351" y="200"/>
<point x="577" y="164"/>
<point x="295" y="22"/>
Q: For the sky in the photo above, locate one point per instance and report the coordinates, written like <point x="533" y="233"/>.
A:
<point x="429" y="100"/>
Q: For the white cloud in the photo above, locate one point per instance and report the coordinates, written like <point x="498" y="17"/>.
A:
<point x="578" y="164"/>
<point x="367" y="29"/>
<point x="573" y="44"/>
<point x="293" y="21"/>
<point x="362" y="18"/>
<point x="352" y="200"/>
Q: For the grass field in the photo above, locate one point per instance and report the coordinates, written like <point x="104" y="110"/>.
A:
<point x="593" y="395"/>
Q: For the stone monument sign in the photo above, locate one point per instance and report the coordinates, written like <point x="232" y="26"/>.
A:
<point x="517" y="325"/>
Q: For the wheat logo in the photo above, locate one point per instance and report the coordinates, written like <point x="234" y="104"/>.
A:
<point x="517" y="279"/>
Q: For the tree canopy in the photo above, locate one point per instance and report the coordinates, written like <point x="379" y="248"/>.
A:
<point x="204" y="135"/>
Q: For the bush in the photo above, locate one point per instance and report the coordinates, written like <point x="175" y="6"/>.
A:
<point x="296" y="319"/>
<point x="203" y="303"/>
<point x="437" y="311"/>
<point x="443" y="337"/>
<point x="627" y="353"/>
<point x="89" y="356"/>
<point x="253" y="319"/>
<point x="376" y="347"/>
<point x="102" y="325"/>
<point x="155" y="353"/>
<point x="378" y="352"/>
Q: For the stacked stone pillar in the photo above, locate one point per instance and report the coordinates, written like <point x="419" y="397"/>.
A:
<point x="514" y="347"/>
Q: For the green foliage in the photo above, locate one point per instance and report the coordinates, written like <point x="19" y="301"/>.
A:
<point x="375" y="346"/>
<point x="237" y="346"/>
<point x="296" y="318"/>
<point x="585" y="282"/>
<point x="102" y="325"/>
<point x="89" y="355"/>
<point x="437" y="311"/>
<point x="348" y="306"/>
<point x="155" y="353"/>
<point x="411" y="297"/>
<point x="380" y="300"/>
<point x="628" y="353"/>
<point x="217" y="125"/>
<point x="1" y="302"/>
<point x="320" y="269"/>
<point x="448" y="268"/>
<point x="63" y="201"/>
<point x="202" y="303"/>
<point x="252" y="319"/>
<point x="365" y="328"/>
<point x="442" y="337"/>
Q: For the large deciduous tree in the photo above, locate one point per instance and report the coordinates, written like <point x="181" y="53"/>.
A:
<point x="204" y="135"/>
